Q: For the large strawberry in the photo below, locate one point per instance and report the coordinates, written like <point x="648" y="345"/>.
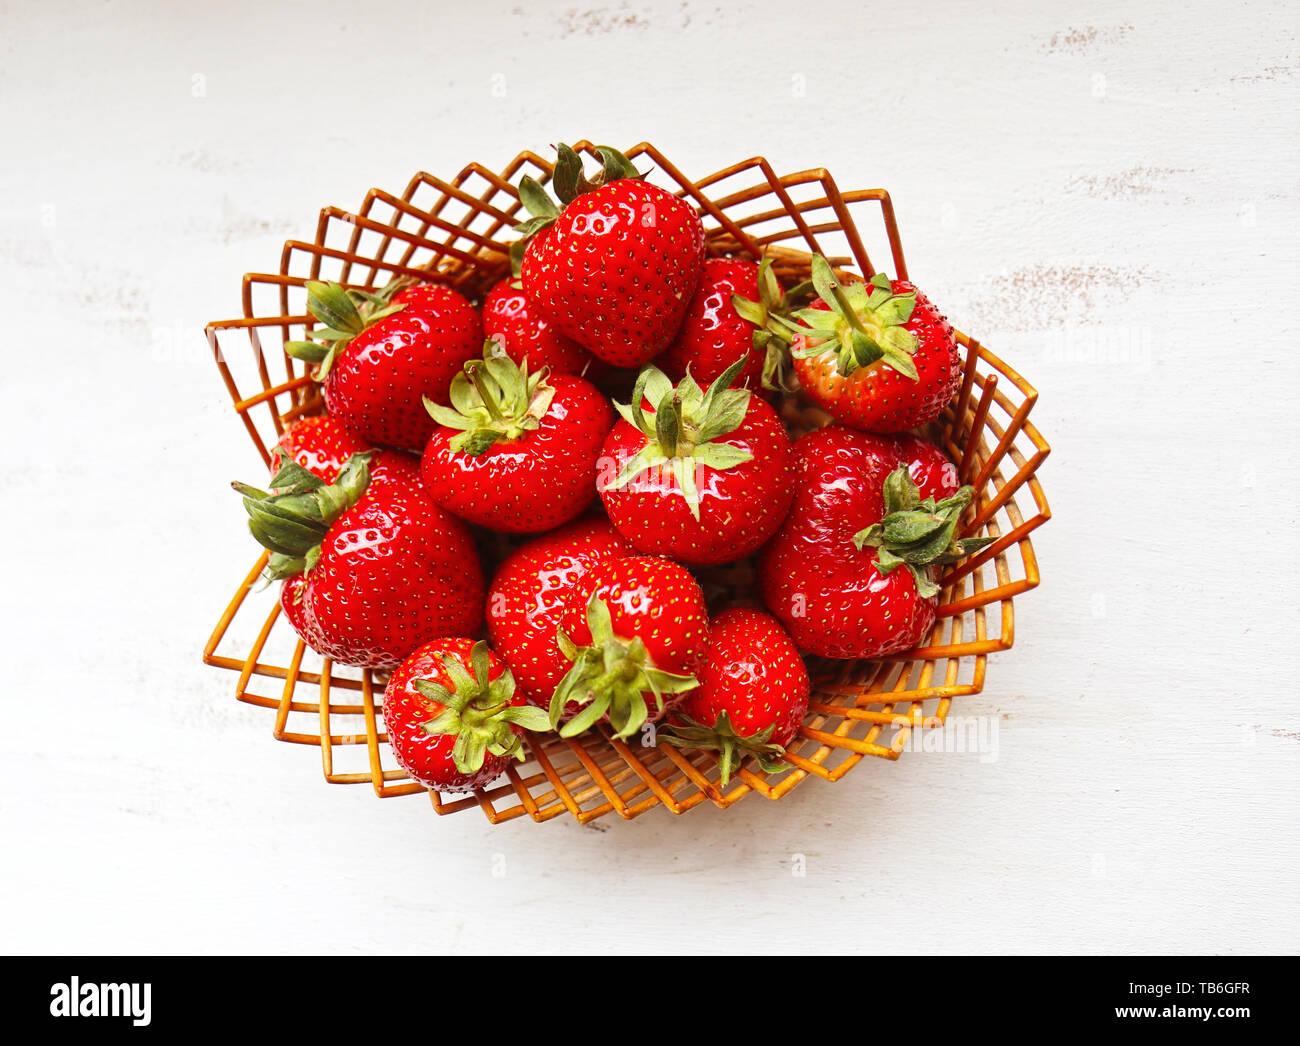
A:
<point x="528" y="593"/>
<point x="876" y="355"/>
<point x="516" y="450"/>
<point x="849" y="572"/>
<point x="616" y="268"/>
<point x="637" y="631"/>
<point x="731" y="317"/>
<point x="378" y="355"/>
<point x="752" y="697"/>
<point x="320" y="444"/>
<point x="372" y="568"/>
<point x="454" y="716"/>
<point x="515" y="325"/>
<point x="703" y="477"/>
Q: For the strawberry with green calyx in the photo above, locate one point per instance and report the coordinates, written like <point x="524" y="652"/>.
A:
<point x="377" y="355"/>
<point x="916" y="533"/>
<point x="371" y="566"/>
<point x="752" y="698"/>
<point x="702" y="476"/>
<point x="515" y="450"/>
<point x="733" y="315"/>
<point x="615" y="266"/>
<point x="293" y="522"/>
<point x="454" y="716"/>
<point x="636" y="631"/>
<point x="876" y="355"/>
<point x="493" y="400"/>
<point x="527" y="596"/>
<point x="837" y="592"/>
<point x="343" y="314"/>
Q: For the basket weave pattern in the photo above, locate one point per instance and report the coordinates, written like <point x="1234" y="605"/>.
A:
<point x="460" y="230"/>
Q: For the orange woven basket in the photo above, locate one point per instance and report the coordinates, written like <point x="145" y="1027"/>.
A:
<point x="460" y="231"/>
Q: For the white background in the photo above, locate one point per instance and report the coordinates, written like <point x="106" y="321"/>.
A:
<point x="1106" y="193"/>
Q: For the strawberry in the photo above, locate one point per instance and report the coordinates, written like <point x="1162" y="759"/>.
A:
<point x="933" y="473"/>
<point x="730" y="317"/>
<point x="516" y="450"/>
<point x="378" y="355"/>
<point x="636" y="631"/>
<point x="320" y="444"/>
<point x="517" y="327"/>
<point x="929" y="468"/>
<point x="527" y="596"/>
<point x="616" y="268"/>
<point x="454" y="716"/>
<point x="373" y="568"/>
<point x="831" y="575"/>
<point x="703" y="477"/>
<point x="752" y="697"/>
<point x="877" y="355"/>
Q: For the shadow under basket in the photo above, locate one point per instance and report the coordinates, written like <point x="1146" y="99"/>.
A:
<point x="459" y="232"/>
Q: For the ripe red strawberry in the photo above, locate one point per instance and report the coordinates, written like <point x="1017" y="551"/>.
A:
<point x="704" y="477"/>
<point x="878" y="356"/>
<point x="521" y="332"/>
<point x="320" y="444"/>
<point x="454" y="716"/>
<point x="373" y="568"/>
<point x="752" y="697"/>
<point x="527" y="596"/>
<point x="730" y="317"/>
<point x="831" y="574"/>
<point x="616" y="268"/>
<point x="636" y="631"/>
<point x="516" y="450"/>
<point x="377" y="360"/>
<point x="931" y="470"/>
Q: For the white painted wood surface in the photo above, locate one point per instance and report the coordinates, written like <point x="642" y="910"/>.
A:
<point x="1105" y="192"/>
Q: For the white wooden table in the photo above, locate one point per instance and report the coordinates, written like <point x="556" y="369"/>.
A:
<point x="1104" y="192"/>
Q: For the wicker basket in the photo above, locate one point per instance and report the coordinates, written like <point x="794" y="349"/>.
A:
<point x="461" y="230"/>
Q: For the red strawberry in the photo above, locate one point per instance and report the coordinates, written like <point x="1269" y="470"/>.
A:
<point x="516" y="450"/>
<point x="377" y="360"/>
<point x="729" y="318"/>
<point x="752" y="697"/>
<point x="933" y="473"/>
<point x="320" y="444"/>
<point x="636" y="631"/>
<point x="291" y="603"/>
<point x="527" y="596"/>
<point x="616" y="268"/>
<point x="323" y="446"/>
<point x="705" y="477"/>
<point x="454" y="717"/>
<point x="515" y="325"/>
<point x="930" y="469"/>
<point x="878" y="356"/>
<point x="831" y="574"/>
<point x="373" y="568"/>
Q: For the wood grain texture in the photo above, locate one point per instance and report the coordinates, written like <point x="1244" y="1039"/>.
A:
<point x="1105" y="192"/>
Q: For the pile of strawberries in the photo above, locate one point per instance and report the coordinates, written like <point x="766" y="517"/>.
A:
<point x="595" y="440"/>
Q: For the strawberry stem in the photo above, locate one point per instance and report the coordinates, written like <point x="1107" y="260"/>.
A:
<point x="916" y="533"/>
<point x="478" y="711"/>
<point x="723" y="739"/>
<point x="292" y="522"/>
<point x="610" y="679"/>
<point x="683" y="431"/>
